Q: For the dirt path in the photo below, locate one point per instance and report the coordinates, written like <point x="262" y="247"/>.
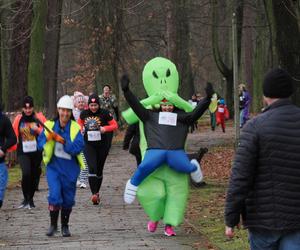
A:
<point x="112" y="225"/>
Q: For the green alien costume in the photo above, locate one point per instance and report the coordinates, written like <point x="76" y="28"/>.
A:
<point x="164" y="193"/>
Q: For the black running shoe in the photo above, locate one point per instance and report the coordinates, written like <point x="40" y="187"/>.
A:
<point x="31" y="204"/>
<point x="24" y="204"/>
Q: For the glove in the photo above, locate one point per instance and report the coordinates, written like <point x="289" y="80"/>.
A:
<point x="125" y="82"/>
<point x="209" y="90"/>
<point x="56" y="137"/>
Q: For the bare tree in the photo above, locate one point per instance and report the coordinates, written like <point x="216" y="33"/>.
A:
<point x="52" y="37"/>
<point x="19" y="53"/>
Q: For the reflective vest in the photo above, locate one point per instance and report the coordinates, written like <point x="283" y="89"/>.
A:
<point x="49" y="146"/>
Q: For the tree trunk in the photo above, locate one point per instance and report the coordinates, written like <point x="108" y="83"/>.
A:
<point x="52" y="37"/>
<point x="248" y="48"/>
<point x="186" y="87"/>
<point x="262" y="59"/>
<point x="170" y="30"/>
<point x="35" y="68"/>
<point x="223" y="68"/>
<point x="19" y="53"/>
<point x="288" y="41"/>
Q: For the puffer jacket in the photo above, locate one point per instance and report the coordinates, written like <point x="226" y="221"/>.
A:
<point x="265" y="182"/>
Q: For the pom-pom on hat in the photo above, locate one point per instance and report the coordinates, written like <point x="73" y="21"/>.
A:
<point x="93" y="98"/>
<point x="28" y="102"/>
<point x="278" y="84"/>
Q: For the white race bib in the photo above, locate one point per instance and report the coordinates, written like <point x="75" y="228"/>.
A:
<point x="60" y="153"/>
<point x="167" y="118"/>
<point x="221" y="110"/>
<point x="29" y="146"/>
<point x="94" y="135"/>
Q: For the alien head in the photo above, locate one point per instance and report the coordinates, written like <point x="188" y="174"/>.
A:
<point x="160" y="74"/>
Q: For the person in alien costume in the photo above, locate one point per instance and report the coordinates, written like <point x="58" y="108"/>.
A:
<point x="164" y="193"/>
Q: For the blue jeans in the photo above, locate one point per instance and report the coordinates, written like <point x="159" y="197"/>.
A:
<point x="3" y="180"/>
<point x="154" y="158"/>
<point x="262" y="239"/>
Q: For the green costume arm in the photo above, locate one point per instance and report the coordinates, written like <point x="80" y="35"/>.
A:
<point x="178" y="101"/>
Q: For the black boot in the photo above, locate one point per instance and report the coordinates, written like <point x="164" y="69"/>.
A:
<point x="53" y="227"/>
<point x="65" y="215"/>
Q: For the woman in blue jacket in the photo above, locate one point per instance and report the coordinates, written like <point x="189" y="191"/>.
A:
<point x="62" y="147"/>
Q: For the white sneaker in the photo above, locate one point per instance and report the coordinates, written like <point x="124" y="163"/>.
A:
<point x="197" y="175"/>
<point x="130" y="192"/>
<point x="82" y="185"/>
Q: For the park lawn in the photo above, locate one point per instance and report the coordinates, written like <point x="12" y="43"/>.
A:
<point x="205" y="211"/>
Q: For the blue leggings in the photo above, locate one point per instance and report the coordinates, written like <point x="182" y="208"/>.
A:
<point x="3" y="180"/>
<point x="154" y="158"/>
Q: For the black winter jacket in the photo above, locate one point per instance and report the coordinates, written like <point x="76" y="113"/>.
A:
<point x="265" y="182"/>
<point x="132" y="139"/>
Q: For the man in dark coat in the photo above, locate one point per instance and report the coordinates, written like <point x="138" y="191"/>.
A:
<point x="264" y="187"/>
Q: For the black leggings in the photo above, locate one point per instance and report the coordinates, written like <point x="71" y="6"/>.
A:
<point x="95" y="157"/>
<point x="30" y="165"/>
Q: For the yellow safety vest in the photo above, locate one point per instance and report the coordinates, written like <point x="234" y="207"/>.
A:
<point x="213" y="104"/>
<point x="49" y="146"/>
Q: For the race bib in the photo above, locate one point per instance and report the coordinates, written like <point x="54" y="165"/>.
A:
<point x="94" y="135"/>
<point x="60" y="153"/>
<point x="29" y="146"/>
<point x="221" y="110"/>
<point x="167" y="118"/>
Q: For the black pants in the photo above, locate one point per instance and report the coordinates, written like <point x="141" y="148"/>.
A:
<point x="95" y="158"/>
<point x="30" y="166"/>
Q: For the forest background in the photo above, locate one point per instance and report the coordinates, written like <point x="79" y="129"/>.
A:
<point x="54" y="47"/>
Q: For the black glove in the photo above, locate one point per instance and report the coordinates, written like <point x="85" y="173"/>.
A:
<point x="209" y="90"/>
<point x="125" y="82"/>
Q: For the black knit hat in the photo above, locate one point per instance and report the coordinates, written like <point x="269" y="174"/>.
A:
<point x="28" y="102"/>
<point x="278" y="84"/>
<point x="93" y="98"/>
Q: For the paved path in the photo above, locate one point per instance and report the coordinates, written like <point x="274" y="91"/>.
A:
<point x="112" y="225"/>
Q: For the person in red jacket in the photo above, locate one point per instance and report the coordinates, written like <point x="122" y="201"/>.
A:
<point x="27" y="128"/>
<point x="222" y="114"/>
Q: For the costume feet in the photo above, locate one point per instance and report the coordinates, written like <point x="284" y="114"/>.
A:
<point x="130" y="192"/>
<point x="169" y="231"/>
<point x="152" y="226"/>
<point x="197" y="175"/>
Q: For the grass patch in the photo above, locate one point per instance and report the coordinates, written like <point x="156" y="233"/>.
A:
<point x="14" y="176"/>
<point x="206" y="213"/>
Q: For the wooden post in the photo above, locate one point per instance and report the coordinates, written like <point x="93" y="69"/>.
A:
<point x="235" y="80"/>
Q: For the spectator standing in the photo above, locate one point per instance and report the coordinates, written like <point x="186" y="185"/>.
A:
<point x="109" y="102"/>
<point x="245" y="100"/>
<point x="264" y="185"/>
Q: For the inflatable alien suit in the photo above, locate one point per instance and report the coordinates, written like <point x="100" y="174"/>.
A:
<point x="164" y="193"/>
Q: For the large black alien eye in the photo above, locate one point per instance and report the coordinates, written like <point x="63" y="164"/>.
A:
<point x="154" y="74"/>
<point x="168" y="73"/>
